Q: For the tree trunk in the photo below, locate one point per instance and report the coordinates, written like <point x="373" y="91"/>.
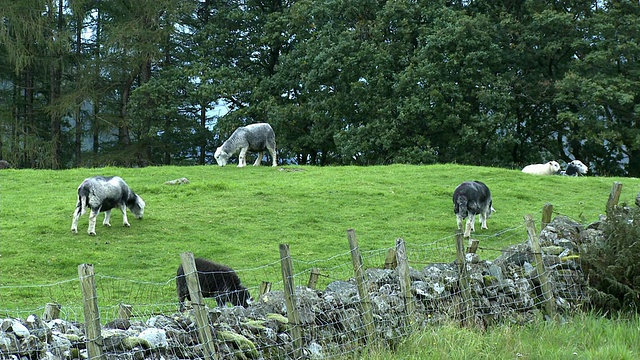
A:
<point x="96" y="126"/>
<point x="28" y="113"/>
<point x="123" y="127"/>
<point x="96" y="101"/>
<point x="203" y="125"/>
<point x="56" y="78"/>
<point x="78" y="113"/>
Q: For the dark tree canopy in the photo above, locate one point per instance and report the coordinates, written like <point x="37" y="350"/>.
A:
<point x="495" y="83"/>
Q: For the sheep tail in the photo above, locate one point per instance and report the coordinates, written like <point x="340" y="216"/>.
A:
<point x="83" y="203"/>
<point x="83" y="198"/>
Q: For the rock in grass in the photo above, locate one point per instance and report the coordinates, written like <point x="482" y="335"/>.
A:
<point x="177" y="181"/>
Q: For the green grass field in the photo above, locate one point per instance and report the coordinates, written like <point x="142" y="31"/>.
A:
<point x="239" y="216"/>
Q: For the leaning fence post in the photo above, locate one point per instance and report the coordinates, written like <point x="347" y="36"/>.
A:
<point x="547" y="292"/>
<point x="290" y="299"/>
<point x="265" y="287"/>
<point x="125" y="311"/>
<point x="197" y="302"/>
<point x="464" y="280"/>
<point x="473" y="246"/>
<point x="365" y="301"/>
<point x="547" y="211"/>
<point x="391" y="260"/>
<point x="91" y="312"/>
<point x="51" y="311"/>
<point x="313" y="278"/>
<point x="614" y="196"/>
<point x="405" y="280"/>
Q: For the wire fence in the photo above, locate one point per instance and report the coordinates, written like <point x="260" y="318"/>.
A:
<point x="335" y="315"/>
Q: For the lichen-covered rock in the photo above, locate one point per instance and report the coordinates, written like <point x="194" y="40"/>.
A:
<point x="243" y="344"/>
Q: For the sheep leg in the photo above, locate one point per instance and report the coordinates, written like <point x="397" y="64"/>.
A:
<point x="242" y="158"/>
<point x="93" y="215"/>
<point x="259" y="159"/>
<point x="107" y="218"/>
<point x="74" y="223"/>
<point x="274" y="160"/>
<point x="125" y="221"/>
<point x="483" y="220"/>
<point x="470" y="226"/>
<point x="459" y="221"/>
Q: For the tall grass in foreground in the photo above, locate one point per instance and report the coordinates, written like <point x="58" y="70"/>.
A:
<point x="584" y="336"/>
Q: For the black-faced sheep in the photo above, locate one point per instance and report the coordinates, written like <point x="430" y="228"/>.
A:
<point x="217" y="281"/>
<point x="550" y="168"/>
<point x="255" y="137"/>
<point x="472" y="198"/>
<point x="575" y="168"/>
<point x="101" y="193"/>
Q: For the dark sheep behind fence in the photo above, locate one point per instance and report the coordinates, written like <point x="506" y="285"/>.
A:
<point x="216" y="281"/>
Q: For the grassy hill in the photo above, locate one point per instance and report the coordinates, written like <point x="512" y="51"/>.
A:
<point x="239" y="216"/>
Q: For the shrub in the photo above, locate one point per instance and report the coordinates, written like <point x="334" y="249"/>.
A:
<point x="612" y="263"/>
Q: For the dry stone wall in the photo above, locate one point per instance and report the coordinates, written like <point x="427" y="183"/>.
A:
<point x="504" y="289"/>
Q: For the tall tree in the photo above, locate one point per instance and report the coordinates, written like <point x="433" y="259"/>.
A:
<point x="601" y="93"/>
<point x="26" y="36"/>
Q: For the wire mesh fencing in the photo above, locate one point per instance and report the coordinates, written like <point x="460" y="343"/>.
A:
<point x="327" y="308"/>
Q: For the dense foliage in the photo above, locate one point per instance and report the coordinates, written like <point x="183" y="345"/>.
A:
<point x="498" y="83"/>
<point x="613" y="264"/>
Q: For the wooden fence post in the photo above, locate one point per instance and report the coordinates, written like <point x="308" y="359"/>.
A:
<point x="405" y="279"/>
<point x="547" y="211"/>
<point x="464" y="281"/>
<point x="614" y="196"/>
<point x="473" y="246"/>
<point x="265" y="287"/>
<point x="125" y="311"/>
<point x="290" y="299"/>
<point x="549" y="302"/>
<point x="91" y="313"/>
<point x="313" y="278"/>
<point x="391" y="261"/>
<point x="197" y="302"/>
<point x="51" y="311"/>
<point x="365" y="300"/>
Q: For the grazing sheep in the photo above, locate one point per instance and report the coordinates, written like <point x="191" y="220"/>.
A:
<point x="550" y="168"/>
<point x="101" y="193"/>
<point x="4" y="164"/>
<point x="575" y="168"/>
<point x="472" y="198"/>
<point x="255" y="138"/>
<point x="217" y="281"/>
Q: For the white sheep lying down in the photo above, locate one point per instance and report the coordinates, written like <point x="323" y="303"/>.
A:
<point x="255" y="137"/>
<point x="550" y="168"/>
<point x="101" y="193"/>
